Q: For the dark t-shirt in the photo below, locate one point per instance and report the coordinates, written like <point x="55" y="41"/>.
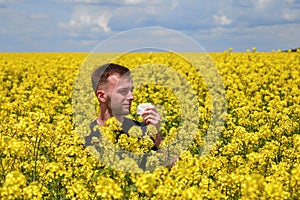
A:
<point x="126" y="125"/>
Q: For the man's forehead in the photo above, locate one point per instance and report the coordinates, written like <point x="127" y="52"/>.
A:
<point x="118" y="80"/>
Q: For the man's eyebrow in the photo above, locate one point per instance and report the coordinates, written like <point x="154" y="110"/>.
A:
<point x="125" y="88"/>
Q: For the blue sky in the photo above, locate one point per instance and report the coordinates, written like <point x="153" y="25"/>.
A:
<point x="80" y="25"/>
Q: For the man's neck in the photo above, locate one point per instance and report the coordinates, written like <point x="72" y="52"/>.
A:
<point x="106" y="115"/>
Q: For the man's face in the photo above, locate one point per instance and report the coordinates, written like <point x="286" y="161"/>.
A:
<point x="120" y="94"/>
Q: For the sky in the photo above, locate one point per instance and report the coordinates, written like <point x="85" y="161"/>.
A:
<point x="81" y="25"/>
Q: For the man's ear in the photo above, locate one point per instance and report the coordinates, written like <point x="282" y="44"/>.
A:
<point x="101" y="95"/>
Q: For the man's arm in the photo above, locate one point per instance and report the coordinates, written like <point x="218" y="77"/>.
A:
<point x="158" y="140"/>
<point x="152" y="116"/>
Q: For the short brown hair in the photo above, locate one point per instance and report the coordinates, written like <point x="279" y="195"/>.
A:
<point x="101" y="74"/>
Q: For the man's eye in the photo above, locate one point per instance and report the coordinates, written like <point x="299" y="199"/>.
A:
<point x="123" y="92"/>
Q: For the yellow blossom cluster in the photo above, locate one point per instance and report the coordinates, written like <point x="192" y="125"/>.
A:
<point x="251" y="150"/>
<point x="134" y="141"/>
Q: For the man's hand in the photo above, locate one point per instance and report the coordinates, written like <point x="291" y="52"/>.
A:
<point x="152" y="116"/>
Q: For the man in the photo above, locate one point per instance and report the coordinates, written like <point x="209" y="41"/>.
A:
<point x="113" y="87"/>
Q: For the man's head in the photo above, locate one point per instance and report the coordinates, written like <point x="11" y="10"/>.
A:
<point x="101" y="74"/>
<point x="113" y="87"/>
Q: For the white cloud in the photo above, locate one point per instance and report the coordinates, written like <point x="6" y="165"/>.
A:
<point x="221" y="20"/>
<point x="290" y="1"/>
<point x="290" y="16"/>
<point x="103" y="21"/>
<point x="261" y="4"/>
<point x="85" y="18"/>
<point x="116" y="14"/>
<point x="132" y="1"/>
<point x="174" y="4"/>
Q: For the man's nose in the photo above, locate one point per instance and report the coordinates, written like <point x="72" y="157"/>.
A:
<point x="130" y="95"/>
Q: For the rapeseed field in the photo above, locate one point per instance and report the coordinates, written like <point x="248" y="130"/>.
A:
<point x="248" y="149"/>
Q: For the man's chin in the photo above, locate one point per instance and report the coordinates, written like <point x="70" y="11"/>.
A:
<point x="124" y="112"/>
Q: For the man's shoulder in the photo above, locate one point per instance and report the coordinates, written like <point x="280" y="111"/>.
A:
<point x="126" y="125"/>
<point x="94" y="132"/>
<point x="93" y="124"/>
